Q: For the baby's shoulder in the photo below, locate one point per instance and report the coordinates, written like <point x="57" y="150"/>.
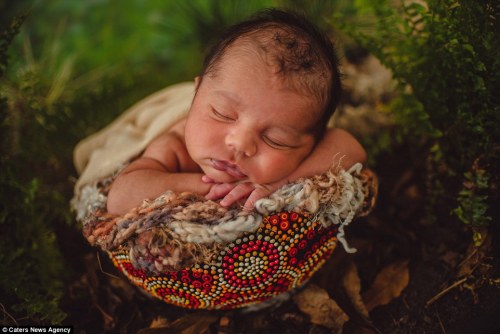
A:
<point x="178" y="128"/>
<point x="170" y="148"/>
<point x="172" y="138"/>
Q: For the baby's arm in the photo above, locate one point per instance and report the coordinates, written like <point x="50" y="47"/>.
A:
<point x="157" y="170"/>
<point x="337" y="146"/>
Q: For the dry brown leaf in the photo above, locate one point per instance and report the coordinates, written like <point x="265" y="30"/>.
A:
<point x="388" y="284"/>
<point x="352" y="285"/>
<point x="317" y="304"/>
<point x="194" y="324"/>
<point x="159" y="322"/>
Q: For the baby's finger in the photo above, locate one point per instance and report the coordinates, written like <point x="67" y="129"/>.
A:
<point x="207" y="179"/>
<point x="242" y="190"/>
<point x="254" y="197"/>
<point x="219" y="190"/>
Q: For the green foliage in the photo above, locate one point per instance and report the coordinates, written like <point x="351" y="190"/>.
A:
<point x="49" y="101"/>
<point x="444" y="55"/>
<point x="31" y="275"/>
<point x="32" y="271"/>
<point x="472" y="198"/>
<point x="6" y="38"/>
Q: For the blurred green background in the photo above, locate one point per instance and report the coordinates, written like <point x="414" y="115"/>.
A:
<point x="69" y="67"/>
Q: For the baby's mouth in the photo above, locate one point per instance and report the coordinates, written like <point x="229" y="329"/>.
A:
<point x="229" y="168"/>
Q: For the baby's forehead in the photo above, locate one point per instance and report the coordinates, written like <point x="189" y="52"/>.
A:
<point x="291" y="58"/>
<point x="258" y="55"/>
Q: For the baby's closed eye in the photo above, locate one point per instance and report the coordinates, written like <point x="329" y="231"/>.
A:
<point x="276" y="143"/>
<point x="223" y="116"/>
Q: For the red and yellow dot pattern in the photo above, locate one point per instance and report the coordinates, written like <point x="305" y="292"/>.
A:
<point x="284" y="253"/>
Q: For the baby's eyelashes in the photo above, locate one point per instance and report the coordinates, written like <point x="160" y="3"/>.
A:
<point x="222" y="116"/>
<point x="275" y="143"/>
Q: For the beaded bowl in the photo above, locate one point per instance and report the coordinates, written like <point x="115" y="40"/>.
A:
<point x="283" y="254"/>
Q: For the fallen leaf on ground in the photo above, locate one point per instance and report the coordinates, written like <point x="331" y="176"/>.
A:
<point x="194" y="324"/>
<point x="352" y="285"/>
<point x="224" y="323"/>
<point x="388" y="284"/>
<point x="189" y="324"/>
<point x="159" y="322"/>
<point x="317" y="304"/>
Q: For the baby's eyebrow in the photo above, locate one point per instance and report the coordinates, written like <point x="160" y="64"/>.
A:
<point x="288" y="131"/>
<point x="234" y="98"/>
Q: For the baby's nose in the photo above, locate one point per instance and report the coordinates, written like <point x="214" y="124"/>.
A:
<point x="241" y="143"/>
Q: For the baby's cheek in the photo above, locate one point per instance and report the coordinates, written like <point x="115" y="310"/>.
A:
<point x="276" y="168"/>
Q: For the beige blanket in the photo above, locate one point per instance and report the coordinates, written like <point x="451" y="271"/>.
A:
<point x="102" y="153"/>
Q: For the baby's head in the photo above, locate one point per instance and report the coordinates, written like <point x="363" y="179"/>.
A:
<point x="267" y="90"/>
<point x="294" y="49"/>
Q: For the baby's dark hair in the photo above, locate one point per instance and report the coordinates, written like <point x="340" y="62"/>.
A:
<point x="300" y="52"/>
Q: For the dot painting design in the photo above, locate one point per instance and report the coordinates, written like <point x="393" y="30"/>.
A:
<point x="284" y="253"/>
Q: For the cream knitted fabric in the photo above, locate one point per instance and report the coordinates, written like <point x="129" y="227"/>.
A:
<point x="102" y="153"/>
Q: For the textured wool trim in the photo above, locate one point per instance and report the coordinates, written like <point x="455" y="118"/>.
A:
<point x="177" y="230"/>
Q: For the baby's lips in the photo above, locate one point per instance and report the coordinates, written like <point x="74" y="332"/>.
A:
<point x="228" y="168"/>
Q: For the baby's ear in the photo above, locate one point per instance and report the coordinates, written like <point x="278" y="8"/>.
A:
<point x="197" y="81"/>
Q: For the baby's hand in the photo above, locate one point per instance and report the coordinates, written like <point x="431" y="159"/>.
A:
<point x="233" y="192"/>
<point x="217" y="190"/>
<point x="229" y="192"/>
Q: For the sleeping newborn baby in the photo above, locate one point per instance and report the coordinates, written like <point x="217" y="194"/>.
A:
<point x="258" y="120"/>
